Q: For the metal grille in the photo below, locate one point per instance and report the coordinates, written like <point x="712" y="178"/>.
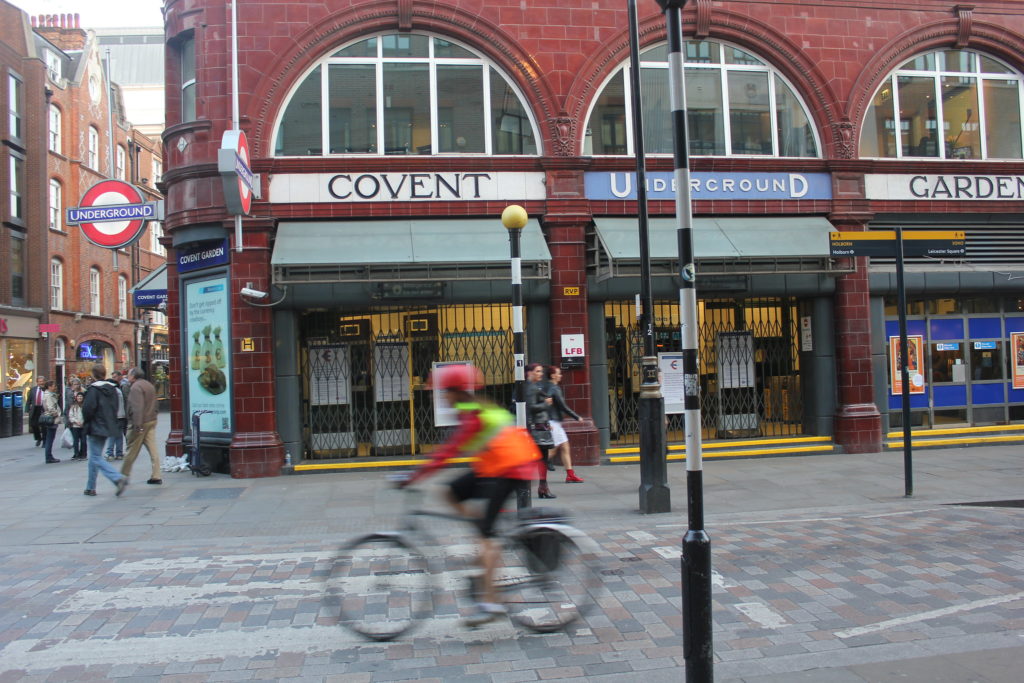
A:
<point x="364" y="390"/>
<point x="749" y="367"/>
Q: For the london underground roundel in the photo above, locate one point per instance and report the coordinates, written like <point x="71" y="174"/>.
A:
<point x="112" y="214"/>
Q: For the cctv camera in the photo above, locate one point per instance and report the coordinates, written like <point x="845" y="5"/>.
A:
<point x="254" y="293"/>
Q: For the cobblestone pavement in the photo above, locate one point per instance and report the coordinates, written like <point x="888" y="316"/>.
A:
<point x="205" y="580"/>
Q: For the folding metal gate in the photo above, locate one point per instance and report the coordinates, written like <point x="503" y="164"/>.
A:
<point x="749" y="367"/>
<point x="364" y="388"/>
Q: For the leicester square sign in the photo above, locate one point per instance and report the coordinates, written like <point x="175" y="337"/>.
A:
<point x="113" y="214"/>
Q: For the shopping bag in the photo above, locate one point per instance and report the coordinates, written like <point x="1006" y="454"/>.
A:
<point x="67" y="439"/>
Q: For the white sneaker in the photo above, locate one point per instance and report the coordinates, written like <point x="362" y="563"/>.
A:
<point x="486" y="612"/>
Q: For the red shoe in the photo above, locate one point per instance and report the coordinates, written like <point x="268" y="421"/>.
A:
<point x="571" y="478"/>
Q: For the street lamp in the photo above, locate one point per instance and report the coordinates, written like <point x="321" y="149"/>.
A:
<point x="514" y="219"/>
<point x="698" y="652"/>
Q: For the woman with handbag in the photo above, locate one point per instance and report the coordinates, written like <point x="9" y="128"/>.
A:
<point x="75" y="423"/>
<point x="49" y="419"/>
<point x="537" y="403"/>
<point x="556" y="414"/>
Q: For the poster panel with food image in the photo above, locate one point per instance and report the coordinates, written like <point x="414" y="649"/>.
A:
<point x="208" y="345"/>
<point x="1017" y="349"/>
<point x="915" y="342"/>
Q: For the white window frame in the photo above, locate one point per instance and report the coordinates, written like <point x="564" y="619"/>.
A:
<point x="432" y="62"/>
<point x="93" y="158"/>
<point x="56" y="205"/>
<point x="56" y="284"/>
<point x="15" y="106"/>
<point x="55" y="132"/>
<point x="158" y="171"/>
<point x="94" y="291"/>
<point x="156" y="231"/>
<point x="16" y="185"/>
<point x="53" y="66"/>
<point x="122" y="296"/>
<point x="188" y="80"/>
<point x="121" y="161"/>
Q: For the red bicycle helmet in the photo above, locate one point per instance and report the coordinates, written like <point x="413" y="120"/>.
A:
<point x="458" y="377"/>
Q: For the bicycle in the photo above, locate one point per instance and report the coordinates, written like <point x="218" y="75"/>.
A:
<point x="382" y="585"/>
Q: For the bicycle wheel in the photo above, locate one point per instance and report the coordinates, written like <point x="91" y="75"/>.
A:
<point x="547" y="581"/>
<point x="380" y="587"/>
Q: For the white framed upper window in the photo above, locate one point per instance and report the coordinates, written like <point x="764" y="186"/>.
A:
<point x="55" y="124"/>
<point x="15" y="106"/>
<point x="56" y="284"/>
<point x="158" y="171"/>
<point x="55" y="214"/>
<point x="737" y="104"/>
<point x="156" y="231"/>
<point x="93" y="151"/>
<point x="53" y="65"/>
<point x="953" y="104"/>
<point x="16" y="185"/>
<point x="122" y="296"/>
<point x="405" y="94"/>
<point x="94" y="291"/>
<point x="121" y="163"/>
<point x="187" y="66"/>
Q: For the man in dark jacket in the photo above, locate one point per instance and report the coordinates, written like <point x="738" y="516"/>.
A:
<point x="35" y="409"/>
<point x="99" y="413"/>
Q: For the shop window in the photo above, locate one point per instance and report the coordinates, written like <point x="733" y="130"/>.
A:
<point x="56" y="219"/>
<point x="736" y="103"/>
<point x="404" y="94"/>
<point x="126" y="354"/>
<point x="56" y="284"/>
<point x="55" y="123"/>
<point x="953" y="104"/>
<point x="980" y="304"/>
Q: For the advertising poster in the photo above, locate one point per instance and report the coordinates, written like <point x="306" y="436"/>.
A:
<point x="915" y="343"/>
<point x="207" y="343"/>
<point x="329" y="382"/>
<point x="1017" y="349"/>
<point x="444" y="414"/>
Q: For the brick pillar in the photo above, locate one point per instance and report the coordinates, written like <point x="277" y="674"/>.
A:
<point x="858" y="424"/>
<point x="174" y="447"/>
<point x="566" y="240"/>
<point x="256" y="449"/>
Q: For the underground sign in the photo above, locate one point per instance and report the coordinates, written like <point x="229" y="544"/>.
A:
<point x="112" y="214"/>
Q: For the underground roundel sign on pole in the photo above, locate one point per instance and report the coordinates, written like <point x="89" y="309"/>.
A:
<point x="113" y="214"/>
<point x="240" y="183"/>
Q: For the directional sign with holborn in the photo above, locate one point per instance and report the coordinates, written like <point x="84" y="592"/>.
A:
<point x="112" y="213"/>
<point x="942" y="244"/>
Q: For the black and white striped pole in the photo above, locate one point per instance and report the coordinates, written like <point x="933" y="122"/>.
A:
<point x="698" y="652"/>
<point x="514" y="219"/>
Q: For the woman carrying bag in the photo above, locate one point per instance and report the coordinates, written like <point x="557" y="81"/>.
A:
<point x="537" y="403"/>
<point x="49" y="419"/>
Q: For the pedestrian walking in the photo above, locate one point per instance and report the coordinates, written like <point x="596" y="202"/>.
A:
<point x="142" y="424"/>
<point x="35" y="403"/>
<point x="99" y="410"/>
<point x="75" y="422"/>
<point x="537" y="421"/>
<point x="557" y="411"/>
<point x="115" y="444"/>
<point x="49" y="419"/>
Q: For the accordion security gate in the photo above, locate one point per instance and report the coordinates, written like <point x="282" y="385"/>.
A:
<point x="749" y="367"/>
<point x="365" y="374"/>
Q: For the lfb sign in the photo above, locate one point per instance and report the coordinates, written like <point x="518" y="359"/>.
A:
<point x="113" y="213"/>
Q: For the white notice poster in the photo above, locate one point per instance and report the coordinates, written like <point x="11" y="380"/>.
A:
<point x="391" y="372"/>
<point x="329" y="381"/>
<point x="444" y="414"/>
<point x="670" y="366"/>
<point x="735" y="360"/>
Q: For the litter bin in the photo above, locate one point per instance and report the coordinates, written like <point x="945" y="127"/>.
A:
<point x="6" y="408"/>
<point x="17" y="413"/>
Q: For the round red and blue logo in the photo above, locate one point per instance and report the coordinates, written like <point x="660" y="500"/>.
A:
<point x="112" y="214"/>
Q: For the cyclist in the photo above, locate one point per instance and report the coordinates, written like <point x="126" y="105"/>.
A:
<point x="506" y="460"/>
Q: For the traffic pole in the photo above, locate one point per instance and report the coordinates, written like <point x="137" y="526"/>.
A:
<point x="514" y="219"/>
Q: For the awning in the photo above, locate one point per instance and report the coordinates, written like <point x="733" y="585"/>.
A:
<point x="411" y="249"/>
<point x="151" y="291"/>
<point x="736" y="245"/>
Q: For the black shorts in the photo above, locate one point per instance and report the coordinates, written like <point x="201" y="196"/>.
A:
<point x="495" y="490"/>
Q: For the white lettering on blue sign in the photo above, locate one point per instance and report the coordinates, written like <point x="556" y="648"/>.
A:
<point x="706" y="185"/>
<point x="114" y="212"/>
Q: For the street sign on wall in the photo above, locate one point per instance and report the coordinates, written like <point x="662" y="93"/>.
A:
<point x="934" y="243"/>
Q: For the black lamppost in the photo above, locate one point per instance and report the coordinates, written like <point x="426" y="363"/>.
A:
<point x="654" y="491"/>
<point x="698" y="651"/>
<point x="514" y="219"/>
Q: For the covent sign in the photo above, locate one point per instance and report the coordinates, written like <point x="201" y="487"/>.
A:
<point x="404" y="186"/>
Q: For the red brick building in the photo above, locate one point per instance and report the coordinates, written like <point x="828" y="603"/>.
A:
<point x="78" y="292"/>
<point x="389" y="136"/>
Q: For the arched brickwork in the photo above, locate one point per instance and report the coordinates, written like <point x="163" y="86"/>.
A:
<point x="987" y="38"/>
<point x="743" y="31"/>
<point x="469" y="29"/>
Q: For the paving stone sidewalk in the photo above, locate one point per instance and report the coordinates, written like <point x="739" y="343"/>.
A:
<point x="219" y="579"/>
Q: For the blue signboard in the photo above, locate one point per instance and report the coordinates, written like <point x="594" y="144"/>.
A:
<point x="203" y="255"/>
<point x="612" y="185"/>
<point x="985" y="345"/>
<point x="149" y="298"/>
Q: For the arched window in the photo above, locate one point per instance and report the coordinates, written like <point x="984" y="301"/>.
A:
<point x="404" y="94"/>
<point x="953" y="104"/>
<point x="94" y="291"/>
<point x="120" y="163"/>
<point x="56" y="218"/>
<point x="56" y="284"/>
<point x="60" y="350"/>
<point x="93" y="159"/>
<point x="55" y="129"/>
<point x="736" y="104"/>
<point x="126" y="354"/>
